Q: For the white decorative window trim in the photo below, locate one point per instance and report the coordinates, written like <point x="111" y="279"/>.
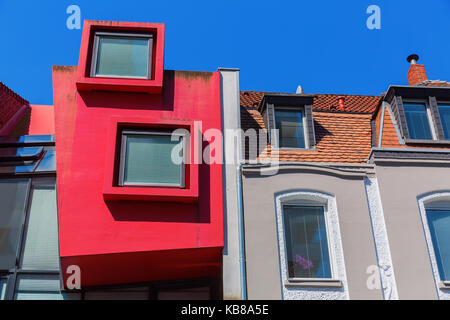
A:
<point x="335" y="247"/>
<point x="424" y="201"/>
<point x="385" y="265"/>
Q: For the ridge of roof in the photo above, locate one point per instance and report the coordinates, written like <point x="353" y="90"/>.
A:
<point x="13" y="94"/>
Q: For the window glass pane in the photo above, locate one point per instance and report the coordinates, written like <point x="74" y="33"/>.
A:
<point x="3" y="282"/>
<point x="290" y="126"/>
<point x="38" y="287"/>
<point x="417" y="120"/>
<point x="148" y="160"/>
<point x="48" y="163"/>
<point x="439" y="223"/>
<point x="41" y="238"/>
<point x="444" y="112"/>
<point x="122" y="56"/>
<point x="13" y="197"/>
<point x="306" y="242"/>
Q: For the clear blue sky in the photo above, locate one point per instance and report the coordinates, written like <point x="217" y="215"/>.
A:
<point x="324" y="46"/>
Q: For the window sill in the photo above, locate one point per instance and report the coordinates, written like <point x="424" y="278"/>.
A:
<point x="420" y="141"/>
<point x="313" y="283"/>
<point x="444" y="285"/>
<point x="294" y="149"/>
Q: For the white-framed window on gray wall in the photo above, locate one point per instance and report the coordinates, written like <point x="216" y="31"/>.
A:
<point x="435" y="213"/>
<point x="310" y="247"/>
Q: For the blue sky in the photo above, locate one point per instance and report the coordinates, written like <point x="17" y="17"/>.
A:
<point x="324" y="46"/>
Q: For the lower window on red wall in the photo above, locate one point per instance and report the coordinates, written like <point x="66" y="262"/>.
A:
<point x="152" y="158"/>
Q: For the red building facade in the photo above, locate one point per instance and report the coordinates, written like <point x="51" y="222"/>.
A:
<point x="120" y="233"/>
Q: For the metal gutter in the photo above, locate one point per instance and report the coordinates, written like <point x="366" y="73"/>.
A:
<point x="241" y="235"/>
<point x="380" y="138"/>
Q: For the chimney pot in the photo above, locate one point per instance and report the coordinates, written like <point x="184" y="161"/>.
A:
<point x="413" y="58"/>
<point x="341" y="100"/>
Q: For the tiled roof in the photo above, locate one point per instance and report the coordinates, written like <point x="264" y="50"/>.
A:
<point x="10" y="103"/>
<point x="434" y="83"/>
<point x="341" y="136"/>
<point x="322" y="102"/>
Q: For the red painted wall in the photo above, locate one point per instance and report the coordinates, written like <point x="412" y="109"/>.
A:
<point x="133" y="241"/>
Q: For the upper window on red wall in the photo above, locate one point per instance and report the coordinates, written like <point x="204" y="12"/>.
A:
<point x="122" y="55"/>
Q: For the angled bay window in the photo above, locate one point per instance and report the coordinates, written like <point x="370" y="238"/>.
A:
<point x="122" y="55"/>
<point x="289" y="120"/>
<point x="306" y="242"/>
<point x="152" y="158"/>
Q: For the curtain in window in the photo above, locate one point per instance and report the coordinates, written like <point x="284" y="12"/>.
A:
<point x="13" y="197"/>
<point x="306" y="242"/>
<point x="122" y="56"/>
<point x="148" y="160"/>
<point x="291" y="130"/>
<point x="417" y="120"/>
<point x="41" y="238"/>
<point x="439" y="224"/>
<point x="444" y="112"/>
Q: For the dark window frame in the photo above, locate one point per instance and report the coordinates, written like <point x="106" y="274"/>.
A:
<point x="304" y="122"/>
<point x="149" y="132"/>
<point x="271" y="102"/>
<point x="447" y="103"/>
<point x="94" y="57"/>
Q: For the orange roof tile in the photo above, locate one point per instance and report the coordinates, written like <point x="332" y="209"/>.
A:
<point x="341" y="136"/>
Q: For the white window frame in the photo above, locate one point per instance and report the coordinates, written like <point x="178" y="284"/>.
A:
<point x="305" y="131"/>
<point x="123" y="145"/>
<point x="310" y="204"/>
<point x="335" y="288"/>
<point x="445" y="102"/>
<point x="434" y="135"/>
<point x="98" y="34"/>
<point x="436" y="201"/>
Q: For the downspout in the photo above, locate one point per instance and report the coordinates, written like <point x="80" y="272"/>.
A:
<point x="241" y="235"/>
<point x="380" y="138"/>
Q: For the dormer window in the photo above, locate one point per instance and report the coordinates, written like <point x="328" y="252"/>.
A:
<point x="122" y="55"/>
<point x="422" y="114"/>
<point x="289" y="120"/>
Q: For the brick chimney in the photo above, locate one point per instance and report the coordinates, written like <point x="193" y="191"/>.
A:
<point x="416" y="73"/>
